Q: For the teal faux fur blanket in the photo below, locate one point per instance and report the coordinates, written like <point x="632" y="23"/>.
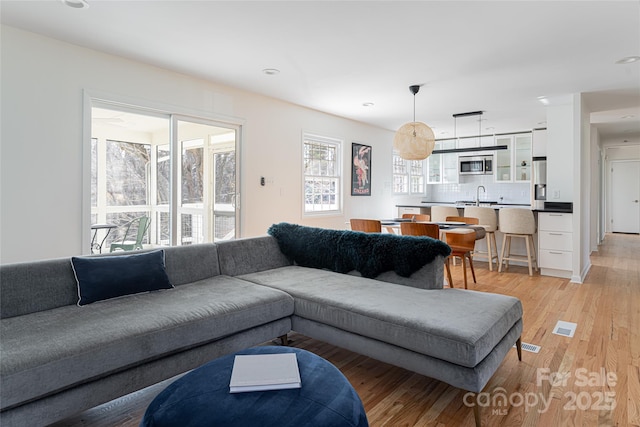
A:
<point x="344" y="250"/>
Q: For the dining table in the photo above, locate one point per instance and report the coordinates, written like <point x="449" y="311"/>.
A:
<point x="393" y="226"/>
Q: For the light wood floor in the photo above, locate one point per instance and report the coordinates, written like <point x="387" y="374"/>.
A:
<point x="602" y="360"/>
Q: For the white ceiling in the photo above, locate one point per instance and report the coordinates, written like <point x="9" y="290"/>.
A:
<point x="333" y="56"/>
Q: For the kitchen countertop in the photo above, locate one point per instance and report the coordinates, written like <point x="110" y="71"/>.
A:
<point x="429" y="204"/>
<point x="562" y="208"/>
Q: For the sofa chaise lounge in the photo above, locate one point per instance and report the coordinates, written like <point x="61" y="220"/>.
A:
<point x="58" y="358"/>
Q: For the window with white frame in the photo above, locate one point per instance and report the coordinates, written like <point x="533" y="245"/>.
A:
<point x="188" y="193"/>
<point x="322" y="174"/>
<point x="408" y="175"/>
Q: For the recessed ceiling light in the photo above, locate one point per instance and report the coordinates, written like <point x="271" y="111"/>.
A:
<point x="544" y="100"/>
<point x="542" y="123"/>
<point x="490" y="128"/>
<point x="76" y="4"/>
<point x="271" y="71"/>
<point x="628" y="116"/>
<point x="368" y="104"/>
<point x="628" y="60"/>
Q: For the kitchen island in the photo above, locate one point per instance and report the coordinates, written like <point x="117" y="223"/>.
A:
<point x="425" y="207"/>
<point x="553" y="246"/>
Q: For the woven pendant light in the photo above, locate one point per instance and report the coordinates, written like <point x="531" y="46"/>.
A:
<point x="414" y="140"/>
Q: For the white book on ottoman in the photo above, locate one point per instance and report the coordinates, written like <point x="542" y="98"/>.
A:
<point x="259" y="372"/>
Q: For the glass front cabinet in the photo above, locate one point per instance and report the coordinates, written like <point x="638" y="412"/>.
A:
<point x="522" y="157"/>
<point x="514" y="163"/>
<point x="443" y="168"/>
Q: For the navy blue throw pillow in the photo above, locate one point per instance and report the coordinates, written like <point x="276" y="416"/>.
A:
<point x="101" y="278"/>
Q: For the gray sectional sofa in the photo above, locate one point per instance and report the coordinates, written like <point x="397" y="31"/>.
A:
<point x="58" y="358"/>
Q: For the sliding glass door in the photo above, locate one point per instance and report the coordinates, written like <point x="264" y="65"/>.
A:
<point x="181" y="172"/>
<point x="207" y="208"/>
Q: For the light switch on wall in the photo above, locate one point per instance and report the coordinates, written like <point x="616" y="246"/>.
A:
<point x="556" y="194"/>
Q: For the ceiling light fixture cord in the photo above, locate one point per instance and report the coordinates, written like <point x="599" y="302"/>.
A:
<point x="414" y="113"/>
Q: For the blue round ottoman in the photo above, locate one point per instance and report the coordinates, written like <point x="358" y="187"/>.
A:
<point x="201" y="398"/>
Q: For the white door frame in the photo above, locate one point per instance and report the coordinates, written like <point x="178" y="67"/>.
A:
<point x="610" y="187"/>
<point x="95" y="97"/>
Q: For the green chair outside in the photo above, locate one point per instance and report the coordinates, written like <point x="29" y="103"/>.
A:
<point x="130" y="245"/>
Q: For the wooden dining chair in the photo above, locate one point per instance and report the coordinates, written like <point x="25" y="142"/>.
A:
<point x="417" y="217"/>
<point x="420" y="229"/>
<point x="462" y="245"/>
<point x="465" y="219"/>
<point x="366" y="225"/>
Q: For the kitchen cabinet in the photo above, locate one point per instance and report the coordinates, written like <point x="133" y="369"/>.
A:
<point x="514" y="163"/>
<point x="443" y="168"/>
<point x="539" y="143"/>
<point x="555" y="244"/>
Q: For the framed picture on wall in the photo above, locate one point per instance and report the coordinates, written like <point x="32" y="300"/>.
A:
<point x="360" y="170"/>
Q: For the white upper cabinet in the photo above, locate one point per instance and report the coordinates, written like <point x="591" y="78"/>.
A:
<point x="514" y="163"/>
<point x="522" y="158"/>
<point x="449" y="164"/>
<point x="443" y="168"/>
<point x="539" y="144"/>
<point x="502" y="159"/>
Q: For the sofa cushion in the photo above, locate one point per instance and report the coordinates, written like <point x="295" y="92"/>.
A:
<point x="456" y="325"/>
<point x="48" y="351"/>
<point x="101" y="278"/>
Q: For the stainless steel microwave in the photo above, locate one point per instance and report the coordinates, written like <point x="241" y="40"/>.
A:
<point x="475" y="165"/>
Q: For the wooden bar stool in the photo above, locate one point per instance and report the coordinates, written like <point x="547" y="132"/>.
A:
<point x="517" y="222"/>
<point x="488" y="219"/>
<point x="440" y="213"/>
<point x="462" y="245"/>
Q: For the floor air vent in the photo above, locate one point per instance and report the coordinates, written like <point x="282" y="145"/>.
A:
<point x="530" y="347"/>
<point x="566" y="329"/>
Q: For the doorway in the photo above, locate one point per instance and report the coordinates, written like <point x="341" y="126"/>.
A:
<point x="625" y="196"/>
<point x="179" y="171"/>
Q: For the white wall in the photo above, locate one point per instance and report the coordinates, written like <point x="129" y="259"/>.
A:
<point x="569" y="171"/>
<point x="41" y="186"/>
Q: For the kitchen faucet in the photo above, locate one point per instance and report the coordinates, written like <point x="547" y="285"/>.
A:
<point x="478" y="194"/>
